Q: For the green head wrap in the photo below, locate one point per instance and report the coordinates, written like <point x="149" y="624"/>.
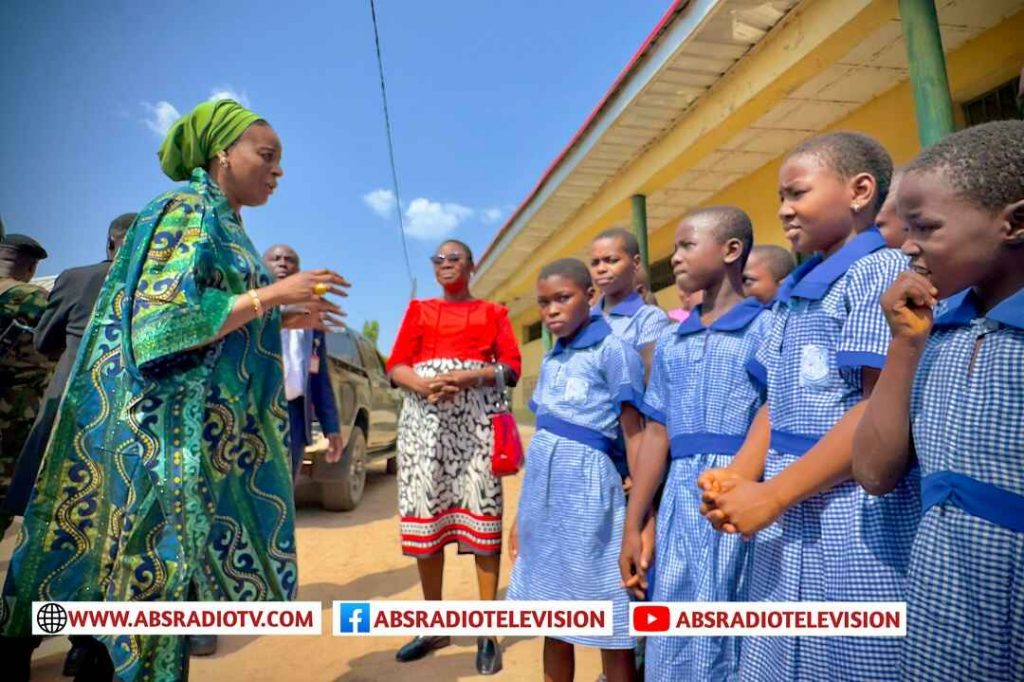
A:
<point x="196" y="137"/>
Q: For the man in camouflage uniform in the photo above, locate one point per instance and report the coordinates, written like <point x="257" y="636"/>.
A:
<point x="24" y="372"/>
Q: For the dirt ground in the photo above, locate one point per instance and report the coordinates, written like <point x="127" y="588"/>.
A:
<point x="352" y="556"/>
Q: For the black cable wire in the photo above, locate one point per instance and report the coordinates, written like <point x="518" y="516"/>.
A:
<point x="391" y="151"/>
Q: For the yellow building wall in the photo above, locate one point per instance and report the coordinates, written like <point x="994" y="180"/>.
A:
<point x="979" y="65"/>
<point x="532" y="354"/>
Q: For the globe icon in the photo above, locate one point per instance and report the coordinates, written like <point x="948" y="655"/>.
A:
<point x="52" y="618"/>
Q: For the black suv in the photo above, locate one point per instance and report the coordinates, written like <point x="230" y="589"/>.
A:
<point x="368" y="409"/>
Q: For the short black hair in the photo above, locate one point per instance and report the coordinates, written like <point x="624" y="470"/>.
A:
<point x="572" y="269"/>
<point x="984" y="163"/>
<point x="629" y="242"/>
<point x="728" y="222"/>
<point x="848" y="154"/>
<point x="119" y="226"/>
<point x="780" y="262"/>
<point x="462" y="245"/>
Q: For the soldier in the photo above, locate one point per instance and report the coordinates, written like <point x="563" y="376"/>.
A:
<point x="24" y="372"/>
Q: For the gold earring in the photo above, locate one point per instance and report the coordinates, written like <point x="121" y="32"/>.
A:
<point x="223" y="159"/>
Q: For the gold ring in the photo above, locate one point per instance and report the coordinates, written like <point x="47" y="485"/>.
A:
<point x="320" y="289"/>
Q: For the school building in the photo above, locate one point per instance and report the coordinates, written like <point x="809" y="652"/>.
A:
<point x="714" y="97"/>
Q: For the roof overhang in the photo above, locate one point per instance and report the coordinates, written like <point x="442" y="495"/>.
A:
<point x="720" y="89"/>
<point x="671" y="70"/>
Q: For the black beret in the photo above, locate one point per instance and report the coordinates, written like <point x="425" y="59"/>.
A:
<point x="24" y="245"/>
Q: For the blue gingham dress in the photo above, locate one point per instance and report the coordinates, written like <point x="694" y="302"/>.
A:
<point x="966" y="584"/>
<point x="841" y="545"/>
<point x="639" y="325"/>
<point x="571" y="507"/>
<point x="635" y="322"/>
<point x="701" y="391"/>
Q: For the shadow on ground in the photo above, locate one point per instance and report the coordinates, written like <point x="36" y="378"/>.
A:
<point x="380" y="585"/>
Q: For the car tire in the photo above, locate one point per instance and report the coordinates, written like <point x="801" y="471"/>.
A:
<point x="345" y="492"/>
<point x="392" y="465"/>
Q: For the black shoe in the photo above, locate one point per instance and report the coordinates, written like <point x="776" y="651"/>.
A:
<point x="202" y="645"/>
<point x="488" y="656"/>
<point x="96" y="665"/>
<point x="76" y="658"/>
<point x="420" y="647"/>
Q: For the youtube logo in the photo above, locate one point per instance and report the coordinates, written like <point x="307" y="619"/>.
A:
<point x="647" y="618"/>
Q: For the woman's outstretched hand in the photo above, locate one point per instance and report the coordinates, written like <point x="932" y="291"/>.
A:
<point x="306" y="287"/>
<point x="320" y="314"/>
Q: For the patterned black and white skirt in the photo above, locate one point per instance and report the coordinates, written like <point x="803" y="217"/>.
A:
<point x="446" y="492"/>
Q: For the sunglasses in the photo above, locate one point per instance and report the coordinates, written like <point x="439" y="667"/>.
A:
<point x="442" y="257"/>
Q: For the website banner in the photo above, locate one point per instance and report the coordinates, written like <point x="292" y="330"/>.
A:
<point x="769" y="619"/>
<point x="176" y="618"/>
<point x="460" y="618"/>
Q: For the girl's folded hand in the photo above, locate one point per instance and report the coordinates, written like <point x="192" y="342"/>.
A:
<point x="742" y="506"/>
<point x="633" y="563"/>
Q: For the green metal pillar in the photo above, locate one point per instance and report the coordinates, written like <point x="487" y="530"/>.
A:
<point x="932" y="104"/>
<point x="640" y="229"/>
<point x="545" y="338"/>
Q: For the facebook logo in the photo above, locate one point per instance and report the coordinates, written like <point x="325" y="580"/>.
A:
<point x="355" y="617"/>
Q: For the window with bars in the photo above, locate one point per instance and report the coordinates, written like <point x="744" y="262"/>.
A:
<point x="998" y="104"/>
<point x="532" y="332"/>
<point x="661" y="274"/>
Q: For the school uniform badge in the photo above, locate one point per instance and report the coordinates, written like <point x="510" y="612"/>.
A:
<point x="813" y="366"/>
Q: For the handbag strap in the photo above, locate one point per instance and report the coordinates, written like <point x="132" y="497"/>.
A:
<point x="499" y="383"/>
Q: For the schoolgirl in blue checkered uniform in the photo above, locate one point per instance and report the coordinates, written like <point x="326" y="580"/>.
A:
<point x="819" y="536"/>
<point x="635" y="322"/>
<point x="614" y="263"/>
<point x="699" y="404"/>
<point x="962" y="412"/>
<point x="572" y="507"/>
<point x="701" y="391"/>
<point x="966" y="580"/>
<point x="842" y="544"/>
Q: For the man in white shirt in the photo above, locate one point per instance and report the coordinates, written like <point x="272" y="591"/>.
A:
<point x="307" y="381"/>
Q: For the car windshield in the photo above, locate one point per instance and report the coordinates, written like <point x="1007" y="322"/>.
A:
<point x="341" y="345"/>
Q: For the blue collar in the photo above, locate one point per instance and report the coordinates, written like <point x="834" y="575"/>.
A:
<point x="962" y="308"/>
<point x="627" y="308"/>
<point x="736" y="318"/>
<point x="592" y="333"/>
<point x="813" y="279"/>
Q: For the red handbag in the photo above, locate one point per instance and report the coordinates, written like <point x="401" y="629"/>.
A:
<point x="507" y="454"/>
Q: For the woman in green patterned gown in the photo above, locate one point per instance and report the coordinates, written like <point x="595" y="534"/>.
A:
<point x="167" y="471"/>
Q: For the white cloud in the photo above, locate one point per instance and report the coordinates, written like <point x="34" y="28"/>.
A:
<point x="227" y="92"/>
<point x="492" y="215"/>
<point x="381" y="201"/>
<point x="160" y="116"/>
<point x="426" y="219"/>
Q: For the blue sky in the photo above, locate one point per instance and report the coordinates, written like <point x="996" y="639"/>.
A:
<point x="483" y="96"/>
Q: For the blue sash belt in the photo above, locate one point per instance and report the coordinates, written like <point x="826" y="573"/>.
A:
<point x="690" y="444"/>
<point x="580" y="434"/>
<point x="792" y="443"/>
<point x="977" y="498"/>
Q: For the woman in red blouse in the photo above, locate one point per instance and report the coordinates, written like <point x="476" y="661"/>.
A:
<point x="447" y="357"/>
